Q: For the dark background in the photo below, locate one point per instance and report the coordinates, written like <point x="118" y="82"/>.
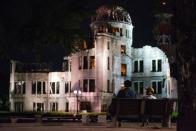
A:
<point x="14" y="14"/>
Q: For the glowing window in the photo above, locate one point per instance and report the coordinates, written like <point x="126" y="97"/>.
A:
<point x="123" y="69"/>
<point x="93" y="45"/>
<point x="102" y="29"/>
<point x="92" y="62"/>
<point x="115" y="30"/>
<point x="84" y="45"/>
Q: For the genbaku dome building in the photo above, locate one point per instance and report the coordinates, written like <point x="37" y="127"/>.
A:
<point x="90" y="78"/>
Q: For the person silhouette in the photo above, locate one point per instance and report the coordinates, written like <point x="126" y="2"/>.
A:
<point x="126" y="91"/>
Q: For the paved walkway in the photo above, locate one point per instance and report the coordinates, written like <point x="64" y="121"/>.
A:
<point x="80" y="127"/>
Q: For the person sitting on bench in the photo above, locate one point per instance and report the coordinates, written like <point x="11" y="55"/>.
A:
<point x="126" y="91"/>
<point x="149" y="95"/>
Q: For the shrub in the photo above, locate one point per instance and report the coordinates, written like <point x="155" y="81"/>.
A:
<point x="5" y="114"/>
<point x="57" y="114"/>
<point x="94" y="113"/>
<point x="174" y="115"/>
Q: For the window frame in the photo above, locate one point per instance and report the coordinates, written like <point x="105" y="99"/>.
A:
<point x="92" y="64"/>
<point x="19" y="87"/>
<point x="123" y="73"/>
<point x="138" y="66"/>
<point x="156" y="65"/>
<point x="157" y="86"/>
<point x="138" y="87"/>
<point x="85" y="62"/>
<point x="87" y="87"/>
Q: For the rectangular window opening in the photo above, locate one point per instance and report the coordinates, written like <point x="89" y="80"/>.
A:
<point x="108" y="63"/>
<point x="39" y="87"/>
<point x="33" y="87"/>
<point x="153" y="65"/>
<point x="91" y="85"/>
<point x="66" y="65"/>
<point x="92" y="62"/>
<point x="85" y="62"/>
<point x="123" y="69"/>
<point x="85" y="85"/>
<point x="123" y="49"/>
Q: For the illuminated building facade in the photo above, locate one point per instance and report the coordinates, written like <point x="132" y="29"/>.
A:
<point x="97" y="72"/>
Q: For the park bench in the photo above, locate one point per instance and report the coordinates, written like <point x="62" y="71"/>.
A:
<point x="123" y="108"/>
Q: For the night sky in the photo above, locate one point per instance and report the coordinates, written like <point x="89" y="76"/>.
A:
<point x="14" y="14"/>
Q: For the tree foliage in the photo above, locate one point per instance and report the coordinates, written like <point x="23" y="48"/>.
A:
<point x="35" y="29"/>
<point x="51" y="25"/>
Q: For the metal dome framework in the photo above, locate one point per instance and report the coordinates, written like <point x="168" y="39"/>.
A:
<point x="112" y="13"/>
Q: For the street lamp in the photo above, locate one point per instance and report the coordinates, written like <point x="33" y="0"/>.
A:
<point x="77" y="93"/>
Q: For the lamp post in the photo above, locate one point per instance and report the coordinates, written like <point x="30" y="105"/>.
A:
<point x="77" y="93"/>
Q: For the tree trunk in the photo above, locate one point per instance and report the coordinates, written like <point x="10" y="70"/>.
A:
<point x="186" y="47"/>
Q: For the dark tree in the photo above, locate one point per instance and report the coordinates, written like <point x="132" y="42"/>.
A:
<point x="184" y="33"/>
<point x="45" y="27"/>
<point x="186" y="56"/>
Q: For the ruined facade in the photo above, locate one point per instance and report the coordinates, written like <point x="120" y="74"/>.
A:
<point x="97" y="72"/>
